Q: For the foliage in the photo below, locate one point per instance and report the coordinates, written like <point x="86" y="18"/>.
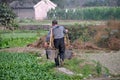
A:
<point x="73" y="3"/>
<point x="91" y="13"/>
<point x="102" y="3"/>
<point x="16" y="42"/>
<point x="19" y="39"/>
<point x="78" y="31"/>
<point x="21" y="1"/>
<point x="96" y="3"/>
<point x="22" y="66"/>
<point x="26" y="66"/>
<point x="60" y="3"/>
<point x="6" y="15"/>
<point x="86" y="69"/>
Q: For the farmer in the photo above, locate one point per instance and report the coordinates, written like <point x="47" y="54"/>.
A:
<point x="58" y="33"/>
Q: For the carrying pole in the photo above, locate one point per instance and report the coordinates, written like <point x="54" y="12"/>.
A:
<point x="51" y="38"/>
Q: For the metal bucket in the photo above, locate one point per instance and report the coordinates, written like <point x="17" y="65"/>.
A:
<point x="51" y="53"/>
<point x="68" y="54"/>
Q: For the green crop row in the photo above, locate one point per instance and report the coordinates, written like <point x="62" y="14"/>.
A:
<point x="19" y="39"/>
<point x="91" y="13"/>
<point x="15" y="66"/>
<point x="15" y="42"/>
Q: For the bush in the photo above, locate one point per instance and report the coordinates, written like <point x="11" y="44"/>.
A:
<point x="79" y="32"/>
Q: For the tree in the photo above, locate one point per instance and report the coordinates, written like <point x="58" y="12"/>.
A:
<point x="6" y="15"/>
<point x="5" y="1"/>
<point x="102" y="3"/>
<point x="118" y="2"/>
<point x="8" y="1"/>
<point x="60" y="3"/>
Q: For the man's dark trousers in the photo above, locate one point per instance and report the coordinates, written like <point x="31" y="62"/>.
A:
<point x="60" y="45"/>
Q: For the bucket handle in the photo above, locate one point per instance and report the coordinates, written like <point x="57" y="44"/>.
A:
<point x="67" y="39"/>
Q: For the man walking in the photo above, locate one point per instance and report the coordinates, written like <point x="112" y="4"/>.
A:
<point x="58" y="34"/>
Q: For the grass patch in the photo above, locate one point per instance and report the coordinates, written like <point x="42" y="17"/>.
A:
<point x="86" y="69"/>
<point x="81" y="67"/>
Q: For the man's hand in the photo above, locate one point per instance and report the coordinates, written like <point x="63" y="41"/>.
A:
<point x="45" y="44"/>
<point x="66" y="30"/>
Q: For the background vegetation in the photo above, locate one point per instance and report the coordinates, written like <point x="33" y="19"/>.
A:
<point x="7" y="16"/>
<point x="89" y="13"/>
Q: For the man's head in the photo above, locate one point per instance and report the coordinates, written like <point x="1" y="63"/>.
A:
<point x="54" y="22"/>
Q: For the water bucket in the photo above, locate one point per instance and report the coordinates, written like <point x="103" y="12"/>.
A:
<point x="68" y="54"/>
<point x="51" y="53"/>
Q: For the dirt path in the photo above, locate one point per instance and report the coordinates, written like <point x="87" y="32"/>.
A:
<point x="24" y="49"/>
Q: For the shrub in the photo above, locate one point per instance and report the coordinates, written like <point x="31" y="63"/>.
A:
<point x="79" y="32"/>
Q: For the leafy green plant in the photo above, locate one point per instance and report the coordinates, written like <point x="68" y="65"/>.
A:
<point x="22" y="66"/>
<point x="19" y="38"/>
<point x="14" y="42"/>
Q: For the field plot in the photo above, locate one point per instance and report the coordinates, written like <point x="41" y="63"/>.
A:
<point x="93" y="37"/>
<point x="19" y="38"/>
<point x="23" y="62"/>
